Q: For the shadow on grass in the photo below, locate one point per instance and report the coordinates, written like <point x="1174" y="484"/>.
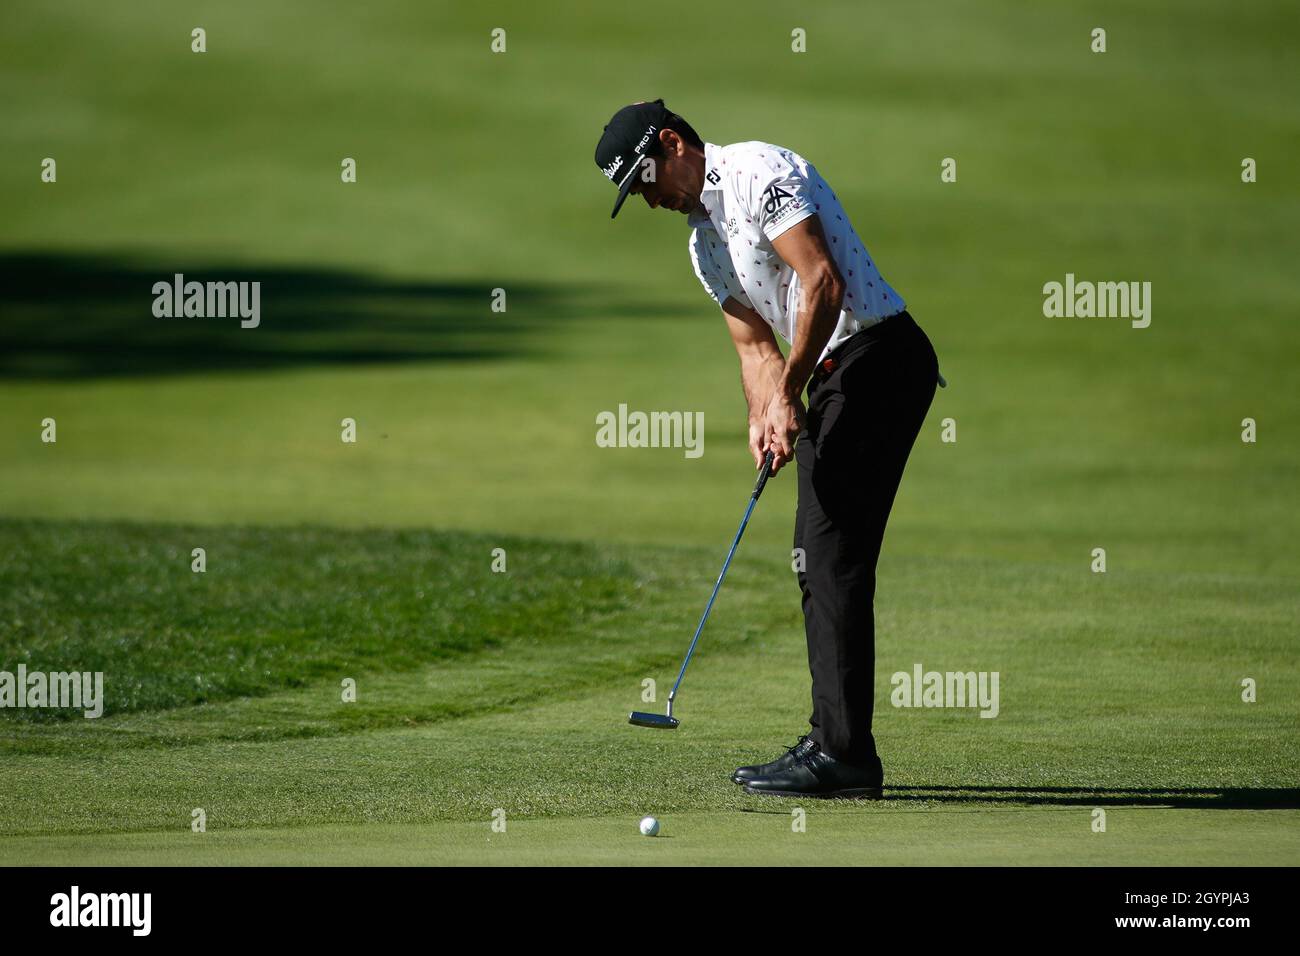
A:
<point x="1196" y="798"/>
<point x="68" y="316"/>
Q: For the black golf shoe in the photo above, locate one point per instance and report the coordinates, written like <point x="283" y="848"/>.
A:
<point x="783" y="762"/>
<point x="817" y="774"/>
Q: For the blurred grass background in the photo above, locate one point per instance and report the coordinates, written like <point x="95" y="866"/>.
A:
<point x="475" y="173"/>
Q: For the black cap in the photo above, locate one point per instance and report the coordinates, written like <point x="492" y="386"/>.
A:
<point x="631" y="136"/>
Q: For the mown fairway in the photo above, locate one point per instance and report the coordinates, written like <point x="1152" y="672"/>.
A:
<point x="480" y="691"/>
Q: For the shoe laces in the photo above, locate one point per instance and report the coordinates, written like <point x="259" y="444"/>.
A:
<point x="811" y="751"/>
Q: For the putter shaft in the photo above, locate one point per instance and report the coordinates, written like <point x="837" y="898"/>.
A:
<point x="668" y="721"/>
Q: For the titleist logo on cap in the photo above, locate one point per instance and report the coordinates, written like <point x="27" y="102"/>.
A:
<point x="639" y="149"/>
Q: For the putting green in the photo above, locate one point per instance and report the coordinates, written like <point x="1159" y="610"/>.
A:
<point x="764" y="836"/>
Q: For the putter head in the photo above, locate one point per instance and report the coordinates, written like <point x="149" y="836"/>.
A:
<point x="659" y="721"/>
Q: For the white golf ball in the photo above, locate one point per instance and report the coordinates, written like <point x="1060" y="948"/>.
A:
<point x="649" y="826"/>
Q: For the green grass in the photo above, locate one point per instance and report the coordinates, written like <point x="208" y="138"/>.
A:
<point x="281" y="609"/>
<point x="479" y="691"/>
<point x="1134" y="837"/>
<point x="525" y="712"/>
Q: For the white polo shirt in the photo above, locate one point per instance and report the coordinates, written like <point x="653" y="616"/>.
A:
<point x="755" y="191"/>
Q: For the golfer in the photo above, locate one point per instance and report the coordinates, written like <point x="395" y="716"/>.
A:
<point x="772" y="245"/>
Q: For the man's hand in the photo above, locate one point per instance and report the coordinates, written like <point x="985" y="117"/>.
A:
<point x="757" y="439"/>
<point x="782" y="423"/>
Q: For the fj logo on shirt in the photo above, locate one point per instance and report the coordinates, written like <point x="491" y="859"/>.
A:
<point x="713" y="177"/>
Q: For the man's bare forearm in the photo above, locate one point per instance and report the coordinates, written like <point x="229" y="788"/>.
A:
<point x="760" y="377"/>
<point x="819" y="313"/>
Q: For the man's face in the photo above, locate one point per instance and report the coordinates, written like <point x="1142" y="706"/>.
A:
<point x="674" y="178"/>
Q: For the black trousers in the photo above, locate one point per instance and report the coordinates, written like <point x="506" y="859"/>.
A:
<point x="863" y="418"/>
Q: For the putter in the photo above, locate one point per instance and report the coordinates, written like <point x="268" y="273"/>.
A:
<point x="668" y="721"/>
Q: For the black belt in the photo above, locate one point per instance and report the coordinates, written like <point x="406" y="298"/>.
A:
<point x="860" y="340"/>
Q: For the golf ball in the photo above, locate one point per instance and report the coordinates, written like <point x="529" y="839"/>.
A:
<point x="649" y="826"/>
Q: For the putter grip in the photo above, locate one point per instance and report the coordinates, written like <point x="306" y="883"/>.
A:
<point x="763" y="475"/>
